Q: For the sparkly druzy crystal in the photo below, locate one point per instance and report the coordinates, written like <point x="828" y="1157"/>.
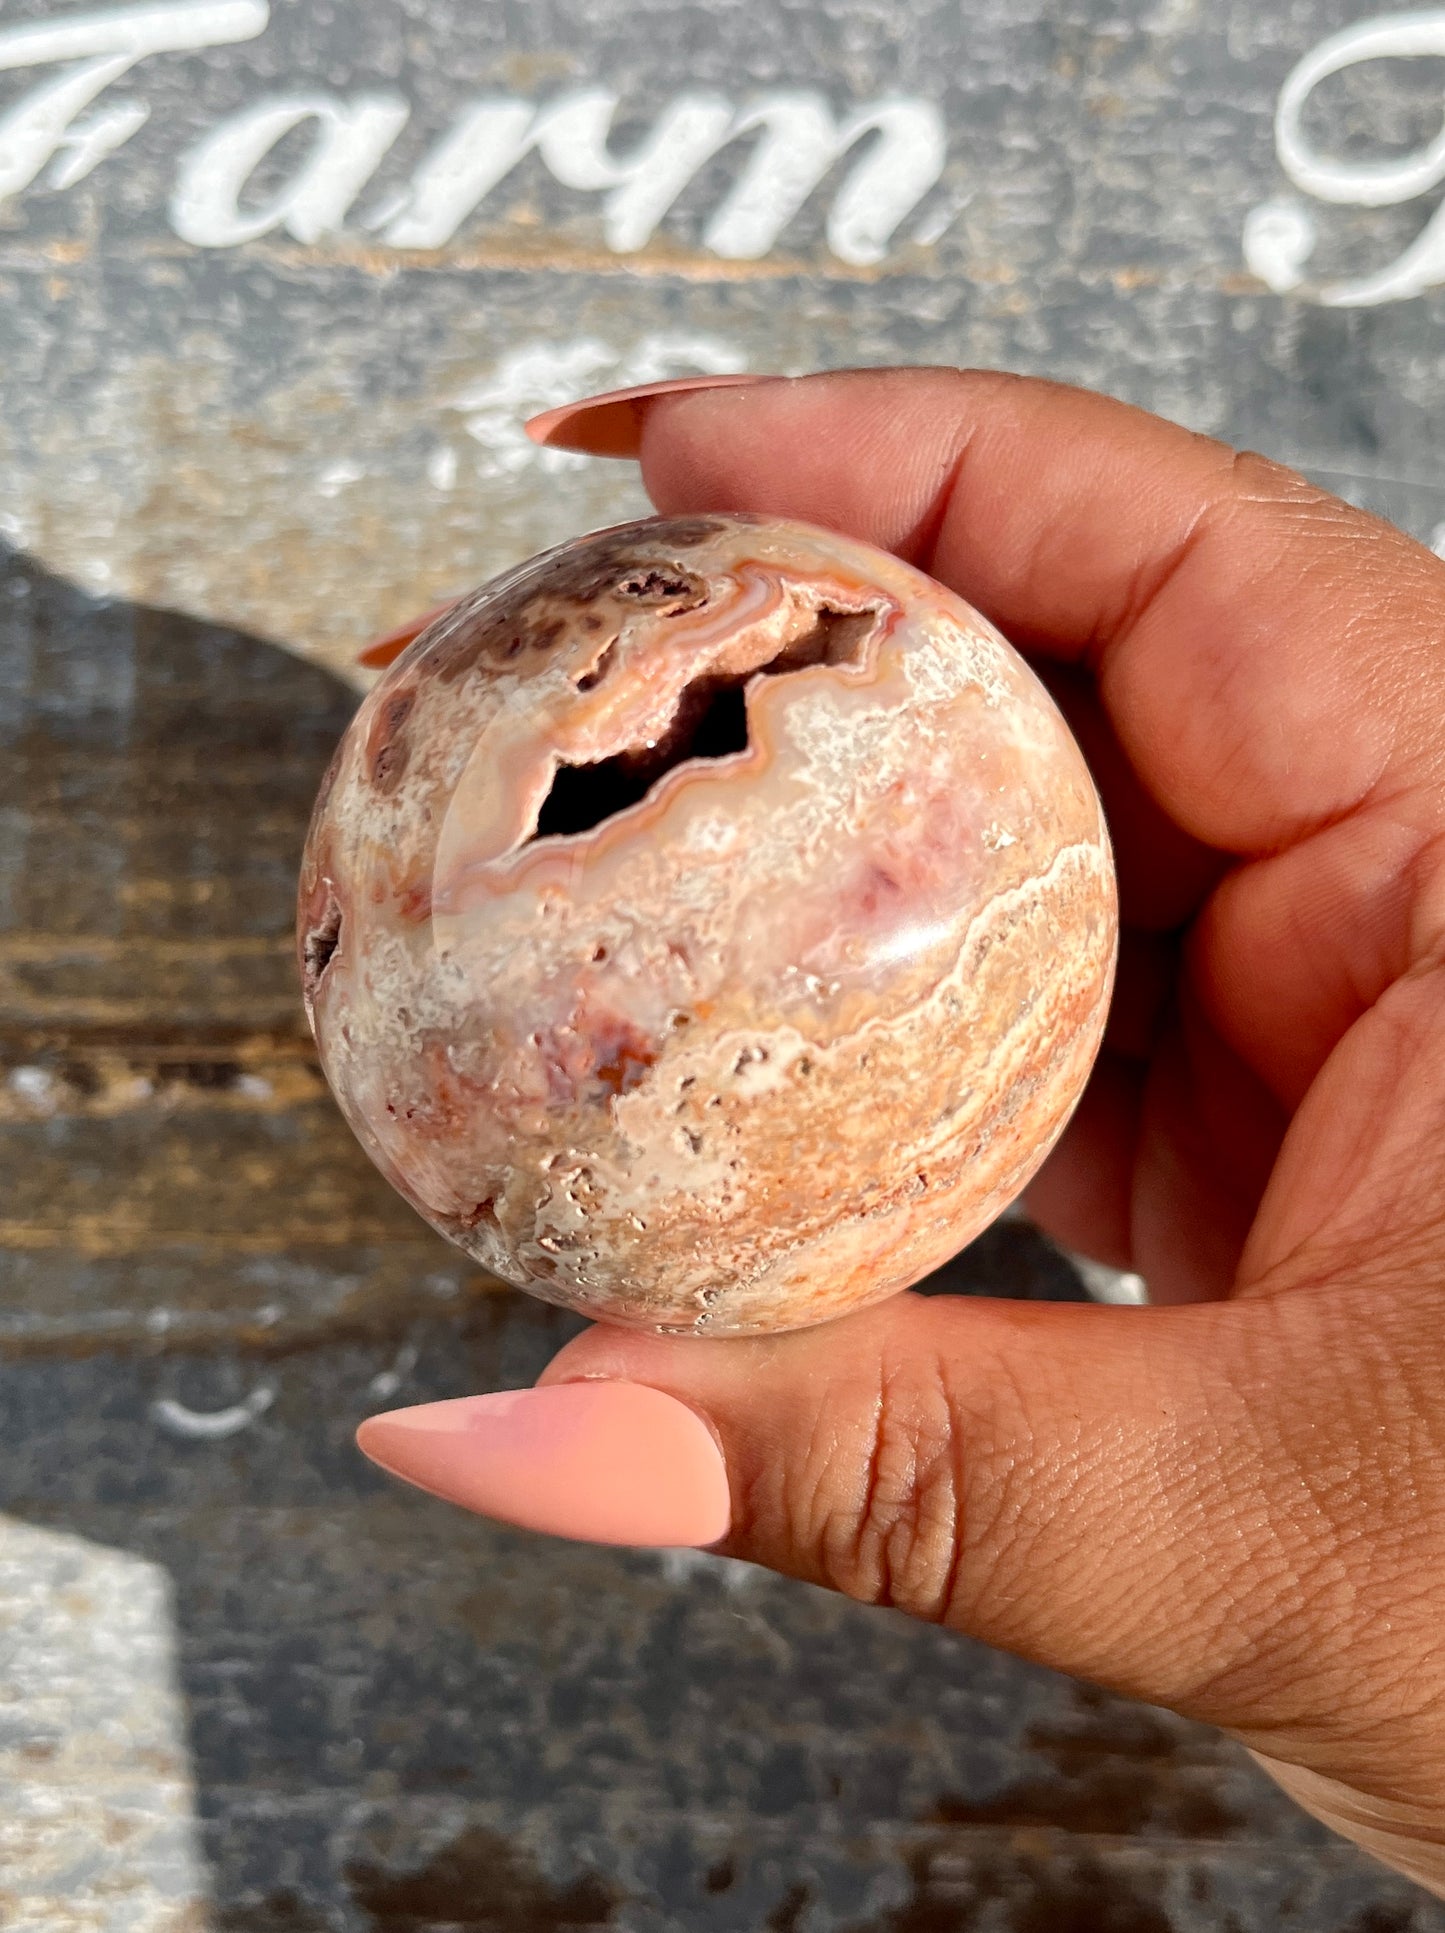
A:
<point x="708" y="926"/>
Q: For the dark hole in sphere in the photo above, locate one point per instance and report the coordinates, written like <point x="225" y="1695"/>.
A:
<point x="711" y="722"/>
<point x="582" y="796"/>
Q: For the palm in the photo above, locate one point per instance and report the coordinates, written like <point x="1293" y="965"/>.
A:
<point x="1226" y="1025"/>
<point x="1165" y="1166"/>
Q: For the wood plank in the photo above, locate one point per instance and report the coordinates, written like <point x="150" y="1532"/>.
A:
<point x="61" y="989"/>
<point x="191" y="1196"/>
<point x="156" y="780"/>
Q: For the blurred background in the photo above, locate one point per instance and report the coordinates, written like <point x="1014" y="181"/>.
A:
<point x="278" y="283"/>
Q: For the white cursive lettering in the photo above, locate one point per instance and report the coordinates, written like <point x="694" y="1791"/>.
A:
<point x="794" y="143"/>
<point x="570" y="135"/>
<point x="104" y="46"/>
<point x="351" y="139"/>
<point x="1280" y="235"/>
<point x="801" y="142"/>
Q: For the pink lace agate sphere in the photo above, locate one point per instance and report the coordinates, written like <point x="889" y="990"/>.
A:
<point x="708" y="925"/>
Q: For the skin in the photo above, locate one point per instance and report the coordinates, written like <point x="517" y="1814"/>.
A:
<point x="1231" y="1503"/>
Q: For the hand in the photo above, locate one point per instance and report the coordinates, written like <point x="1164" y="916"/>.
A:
<point x="1233" y="1505"/>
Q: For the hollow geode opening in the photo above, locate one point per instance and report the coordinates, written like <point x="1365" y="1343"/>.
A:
<point x="711" y="722"/>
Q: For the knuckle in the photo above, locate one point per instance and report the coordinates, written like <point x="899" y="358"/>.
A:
<point x="1256" y="478"/>
<point x="884" y="1519"/>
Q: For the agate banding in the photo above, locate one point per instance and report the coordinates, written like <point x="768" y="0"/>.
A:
<point x="709" y="925"/>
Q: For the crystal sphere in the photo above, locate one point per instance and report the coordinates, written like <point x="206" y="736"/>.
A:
<point x="708" y="925"/>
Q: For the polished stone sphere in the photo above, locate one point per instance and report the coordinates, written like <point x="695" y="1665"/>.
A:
<point x="708" y="925"/>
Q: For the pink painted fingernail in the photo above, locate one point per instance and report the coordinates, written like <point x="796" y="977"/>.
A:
<point x="604" y="1463"/>
<point x="384" y="651"/>
<point x="611" y="424"/>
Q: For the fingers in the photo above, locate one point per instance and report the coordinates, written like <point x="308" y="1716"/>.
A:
<point x="1267" y="658"/>
<point x="1164" y="874"/>
<point x="1209" y="1131"/>
<point x="1083" y="1195"/>
<point x="1293" y="949"/>
<point x="1162" y="1168"/>
<point x="1260" y="646"/>
<point x="1233" y="1510"/>
<point x="384" y="651"/>
<point x="1359" y="1185"/>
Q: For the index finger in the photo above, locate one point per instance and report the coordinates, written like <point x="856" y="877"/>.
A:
<point x="1268" y="655"/>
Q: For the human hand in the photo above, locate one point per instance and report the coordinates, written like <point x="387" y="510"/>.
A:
<point x="1233" y="1505"/>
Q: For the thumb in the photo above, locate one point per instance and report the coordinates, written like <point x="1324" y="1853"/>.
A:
<point x="1197" y="1505"/>
<point x="1232" y="1508"/>
<point x="1224" y="1508"/>
<point x="1065" y="1482"/>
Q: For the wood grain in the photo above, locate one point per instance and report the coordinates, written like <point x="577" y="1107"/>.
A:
<point x="171" y="1162"/>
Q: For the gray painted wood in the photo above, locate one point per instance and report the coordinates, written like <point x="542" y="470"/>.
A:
<point x="382" y="1715"/>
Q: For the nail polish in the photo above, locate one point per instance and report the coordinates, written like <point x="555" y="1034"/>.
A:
<point x="600" y="1462"/>
<point x="611" y="424"/>
<point x="384" y="651"/>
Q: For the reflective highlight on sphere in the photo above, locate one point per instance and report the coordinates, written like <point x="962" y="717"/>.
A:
<point x="709" y="925"/>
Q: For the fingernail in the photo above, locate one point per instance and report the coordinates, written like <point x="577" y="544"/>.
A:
<point x="383" y="651"/>
<point x="611" y="424"/>
<point x="604" y="1463"/>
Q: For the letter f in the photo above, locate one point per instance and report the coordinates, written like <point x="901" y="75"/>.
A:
<point x="102" y="46"/>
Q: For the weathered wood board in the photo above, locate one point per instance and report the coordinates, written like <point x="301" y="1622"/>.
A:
<point x="255" y="392"/>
